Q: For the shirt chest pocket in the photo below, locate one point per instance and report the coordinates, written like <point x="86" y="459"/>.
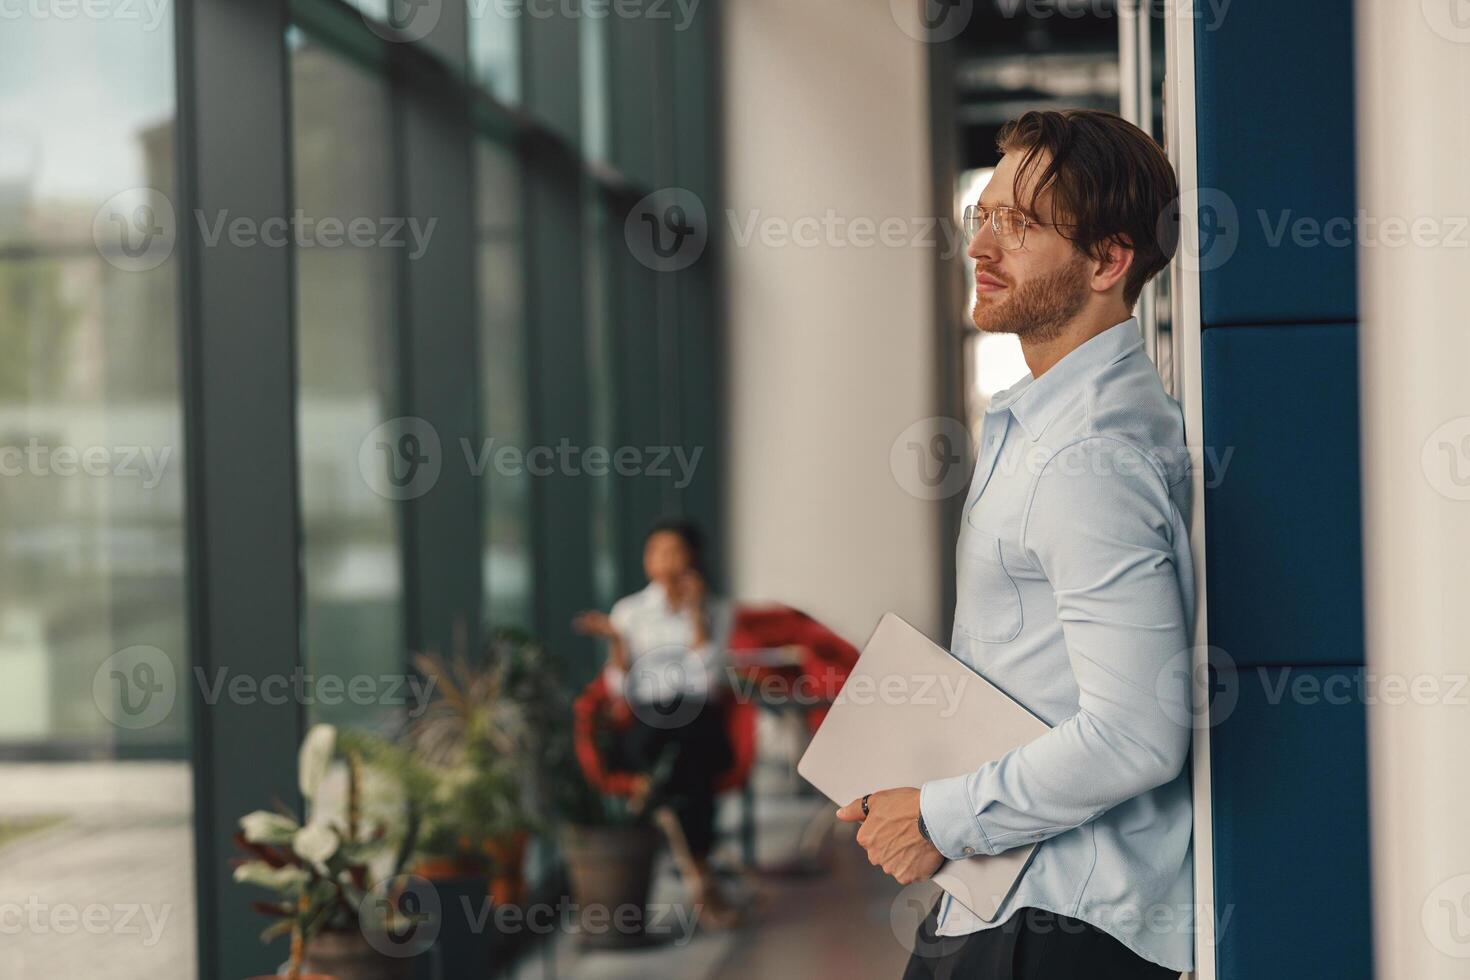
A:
<point x="988" y="603"/>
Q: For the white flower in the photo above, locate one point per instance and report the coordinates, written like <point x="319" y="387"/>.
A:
<point x="265" y="827"/>
<point x="316" y="842"/>
<point x="315" y="758"/>
<point x="276" y="879"/>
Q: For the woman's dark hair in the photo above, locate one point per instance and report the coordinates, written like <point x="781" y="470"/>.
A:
<point x="1108" y="178"/>
<point x="688" y="532"/>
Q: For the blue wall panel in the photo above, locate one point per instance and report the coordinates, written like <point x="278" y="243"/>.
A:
<point x="1274" y="116"/>
<point x="1282" y="500"/>
<point x="1275" y="124"/>
<point x="1291" y="835"/>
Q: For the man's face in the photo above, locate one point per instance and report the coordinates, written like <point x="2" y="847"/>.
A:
<point x="1035" y="290"/>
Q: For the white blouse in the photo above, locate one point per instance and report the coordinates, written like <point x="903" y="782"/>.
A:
<point x="659" y="639"/>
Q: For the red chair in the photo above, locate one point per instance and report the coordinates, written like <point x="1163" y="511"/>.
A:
<point x="592" y="713"/>
<point x="825" y="662"/>
<point x="826" y="658"/>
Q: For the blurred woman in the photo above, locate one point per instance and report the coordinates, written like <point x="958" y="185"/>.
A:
<point x="665" y="672"/>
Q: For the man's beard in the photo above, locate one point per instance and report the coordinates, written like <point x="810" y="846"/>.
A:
<point x="1040" y="307"/>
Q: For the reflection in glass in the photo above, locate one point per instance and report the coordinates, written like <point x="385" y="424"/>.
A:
<point x="346" y="303"/>
<point x="506" y="493"/>
<point x="94" y="658"/>
<point x="495" y="47"/>
<point x="601" y="374"/>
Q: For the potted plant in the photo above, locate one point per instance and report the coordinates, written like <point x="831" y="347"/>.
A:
<point x="478" y="747"/>
<point x="321" y="870"/>
<point x="609" y="842"/>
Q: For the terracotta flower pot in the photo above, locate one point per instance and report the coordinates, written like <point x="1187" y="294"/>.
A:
<point x="508" y="880"/>
<point x="611" y="870"/>
<point x="444" y="868"/>
<point x="348" y="956"/>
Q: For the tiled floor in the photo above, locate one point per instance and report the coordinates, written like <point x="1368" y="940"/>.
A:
<point x="122" y="854"/>
<point x="845" y="922"/>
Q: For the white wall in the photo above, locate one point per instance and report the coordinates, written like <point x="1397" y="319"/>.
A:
<point x="1413" y="68"/>
<point x="830" y="349"/>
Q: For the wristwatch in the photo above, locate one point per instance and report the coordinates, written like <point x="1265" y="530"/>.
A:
<point x="924" y="830"/>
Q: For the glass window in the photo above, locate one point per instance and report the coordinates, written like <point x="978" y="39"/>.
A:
<point x="596" y="86"/>
<point x="602" y="408"/>
<point x="94" y="659"/>
<point x="353" y="622"/>
<point x="506" y="494"/>
<point x="495" y="47"/>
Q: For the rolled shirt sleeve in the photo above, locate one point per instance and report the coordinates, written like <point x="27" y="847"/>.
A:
<point x="1101" y="527"/>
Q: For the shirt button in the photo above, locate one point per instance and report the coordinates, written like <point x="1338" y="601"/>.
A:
<point x="968" y="850"/>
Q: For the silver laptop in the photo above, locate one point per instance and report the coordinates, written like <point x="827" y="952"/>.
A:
<point x="909" y="713"/>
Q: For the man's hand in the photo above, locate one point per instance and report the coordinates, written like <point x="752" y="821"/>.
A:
<point x="890" y="834"/>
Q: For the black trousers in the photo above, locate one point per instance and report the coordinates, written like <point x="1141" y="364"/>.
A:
<point x="698" y="751"/>
<point x="1033" y="944"/>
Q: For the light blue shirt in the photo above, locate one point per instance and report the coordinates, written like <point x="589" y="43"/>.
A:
<point x="1075" y="597"/>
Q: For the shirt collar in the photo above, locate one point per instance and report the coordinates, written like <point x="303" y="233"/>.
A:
<point x="1035" y="401"/>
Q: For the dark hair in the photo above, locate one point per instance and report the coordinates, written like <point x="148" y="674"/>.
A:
<point x="688" y="532"/>
<point x="1109" y="180"/>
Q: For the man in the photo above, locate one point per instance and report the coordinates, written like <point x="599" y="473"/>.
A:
<point x="1075" y="586"/>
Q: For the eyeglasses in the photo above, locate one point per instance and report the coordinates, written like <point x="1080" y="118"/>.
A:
<point x="1009" y="224"/>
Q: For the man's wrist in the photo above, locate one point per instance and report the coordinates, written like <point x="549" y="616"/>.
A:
<point x="953" y="829"/>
